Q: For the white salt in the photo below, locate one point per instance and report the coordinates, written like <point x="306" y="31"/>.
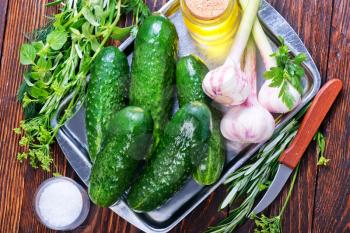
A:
<point x="60" y="203"/>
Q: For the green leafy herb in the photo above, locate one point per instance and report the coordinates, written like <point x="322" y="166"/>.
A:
<point x="264" y="224"/>
<point x="56" y="174"/>
<point x="27" y="54"/>
<point x="142" y="10"/>
<point x="289" y="71"/>
<point x="138" y="15"/>
<point x="57" y="39"/>
<point x="54" y="3"/>
<point x="59" y="58"/>
<point x="321" y="147"/>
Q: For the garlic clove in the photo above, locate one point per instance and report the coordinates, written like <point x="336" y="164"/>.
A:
<point x="226" y="85"/>
<point x="269" y="98"/>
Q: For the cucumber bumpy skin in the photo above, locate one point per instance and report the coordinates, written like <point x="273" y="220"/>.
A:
<point x="190" y="72"/>
<point x="153" y="70"/>
<point x="116" y="165"/>
<point x="175" y="158"/>
<point x="106" y="94"/>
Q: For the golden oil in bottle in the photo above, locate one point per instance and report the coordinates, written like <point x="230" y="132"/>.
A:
<point x="212" y="24"/>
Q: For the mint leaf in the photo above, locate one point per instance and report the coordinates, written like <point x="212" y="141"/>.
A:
<point x="38" y="45"/>
<point x="27" y="54"/>
<point x="38" y="93"/>
<point x="57" y="39"/>
<point x="44" y="65"/>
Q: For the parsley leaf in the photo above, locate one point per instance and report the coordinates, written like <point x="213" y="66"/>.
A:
<point x="289" y="71"/>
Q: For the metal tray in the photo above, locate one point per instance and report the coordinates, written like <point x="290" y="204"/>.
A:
<point x="72" y="139"/>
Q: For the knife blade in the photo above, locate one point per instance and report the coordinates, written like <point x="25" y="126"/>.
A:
<point x="308" y="128"/>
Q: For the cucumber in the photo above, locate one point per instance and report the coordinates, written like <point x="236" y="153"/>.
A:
<point x="116" y="165"/>
<point x="210" y="168"/>
<point x="153" y="70"/>
<point x="175" y="158"/>
<point x="106" y="94"/>
<point x="190" y="72"/>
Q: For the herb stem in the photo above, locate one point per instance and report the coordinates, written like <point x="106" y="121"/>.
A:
<point x="71" y="20"/>
<point x="107" y="35"/>
<point x="290" y="190"/>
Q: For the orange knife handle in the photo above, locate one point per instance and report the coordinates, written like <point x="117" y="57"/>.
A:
<point x="311" y="122"/>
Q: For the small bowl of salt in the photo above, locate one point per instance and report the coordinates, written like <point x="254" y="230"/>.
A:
<point x="61" y="203"/>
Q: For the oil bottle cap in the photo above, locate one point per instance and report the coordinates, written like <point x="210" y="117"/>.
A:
<point x="207" y="9"/>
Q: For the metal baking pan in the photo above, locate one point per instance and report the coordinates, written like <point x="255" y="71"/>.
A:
<point x="72" y="139"/>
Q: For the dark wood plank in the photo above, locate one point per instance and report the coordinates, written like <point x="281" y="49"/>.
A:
<point x="3" y="11"/>
<point x="332" y="201"/>
<point x="311" y="20"/>
<point x="205" y="215"/>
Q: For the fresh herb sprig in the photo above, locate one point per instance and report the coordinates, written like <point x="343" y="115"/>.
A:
<point x="321" y="147"/>
<point x="59" y="63"/>
<point x="289" y="71"/>
<point x="264" y="224"/>
<point x="251" y="179"/>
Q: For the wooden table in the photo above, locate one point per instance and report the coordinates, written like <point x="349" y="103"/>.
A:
<point x="321" y="199"/>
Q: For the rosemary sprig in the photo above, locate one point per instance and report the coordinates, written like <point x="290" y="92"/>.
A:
<point x="251" y="179"/>
<point x="256" y="176"/>
<point x="59" y="60"/>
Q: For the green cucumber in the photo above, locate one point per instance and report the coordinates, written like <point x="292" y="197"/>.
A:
<point x="175" y="158"/>
<point x="210" y="168"/>
<point x="106" y="94"/>
<point x="153" y="70"/>
<point x="116" y="165"/>
<point x="190" y="72"/>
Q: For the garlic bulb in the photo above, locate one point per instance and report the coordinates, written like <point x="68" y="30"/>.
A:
<point x="228" y="84"/>
<point x="268" y="97"/>
<point x="249" y="122"/>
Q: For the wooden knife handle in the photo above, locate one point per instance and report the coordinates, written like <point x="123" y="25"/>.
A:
<point x="311" y="122"/>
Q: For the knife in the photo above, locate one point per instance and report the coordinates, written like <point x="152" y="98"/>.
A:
<point x="308" y="128"/>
